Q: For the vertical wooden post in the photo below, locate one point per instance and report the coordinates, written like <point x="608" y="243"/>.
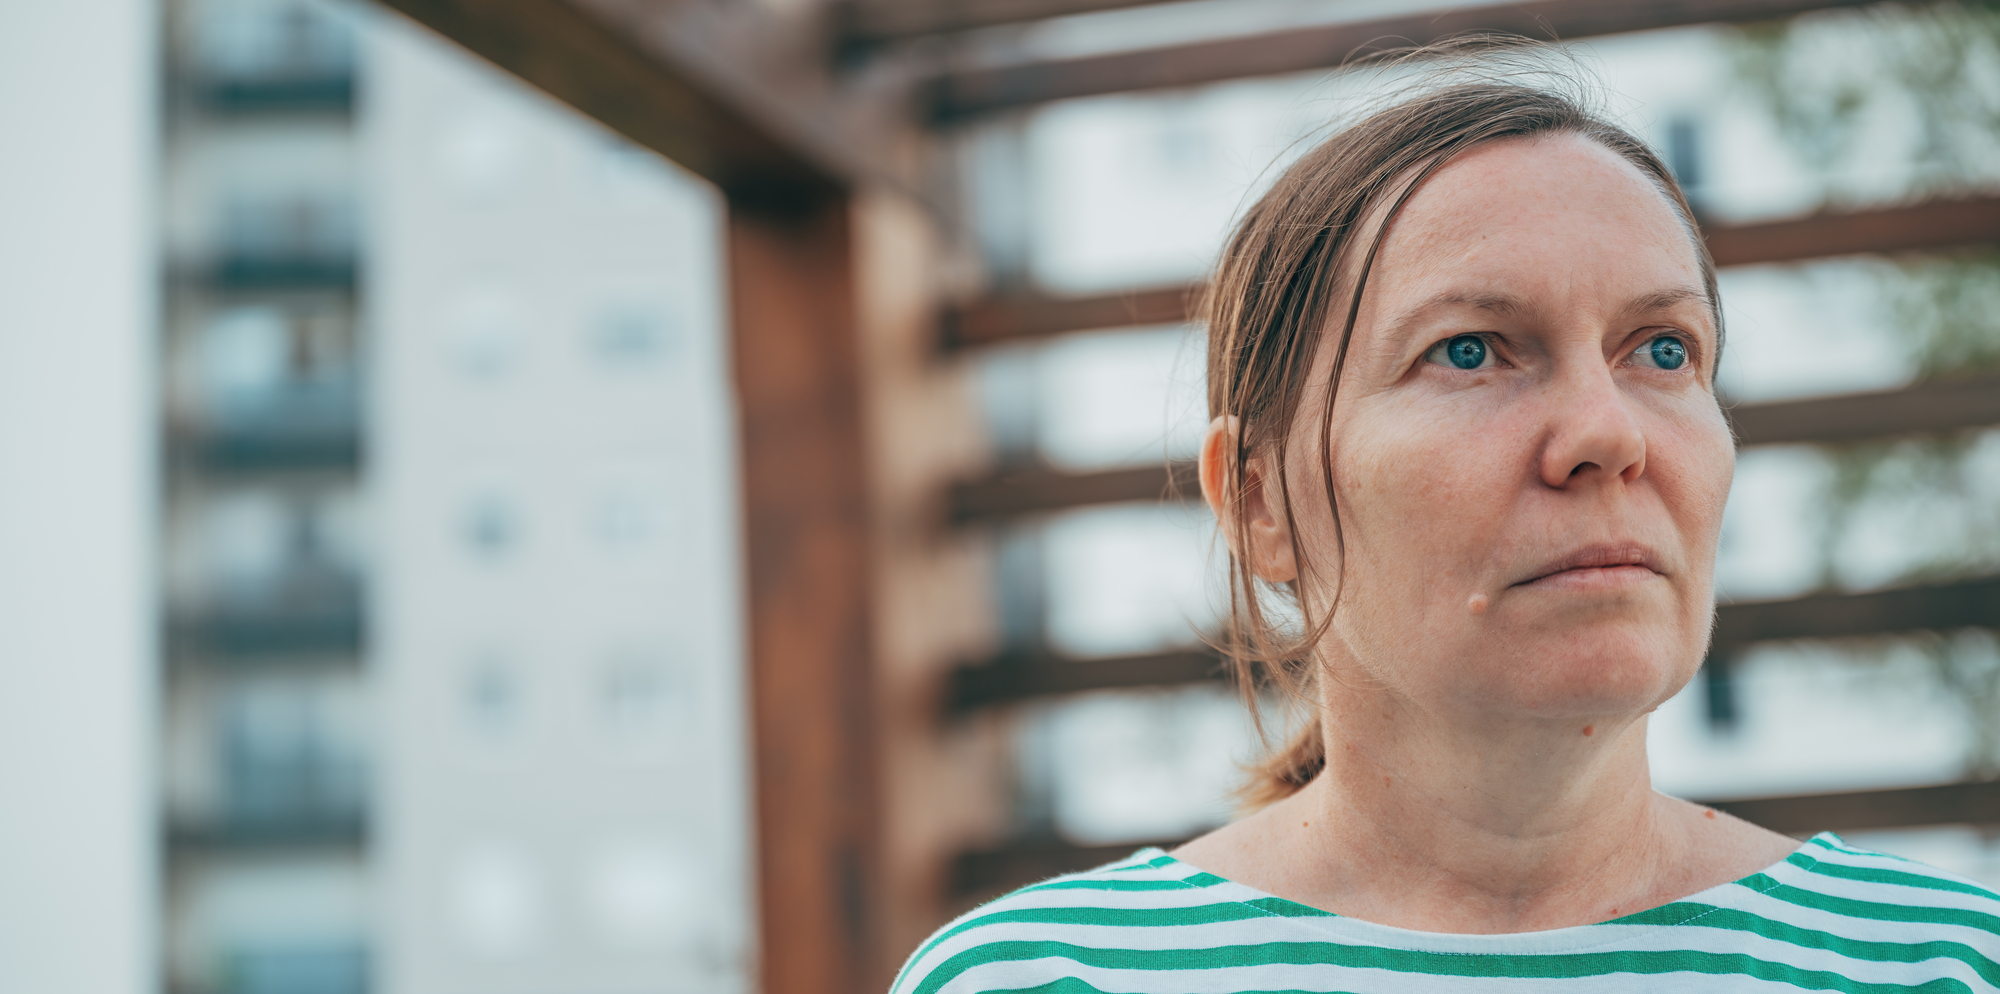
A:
<point x="792" y="299"/>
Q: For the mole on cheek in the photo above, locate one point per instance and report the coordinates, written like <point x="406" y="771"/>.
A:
<point x="1590" y="729"/>
<point x="1477" y="605"/>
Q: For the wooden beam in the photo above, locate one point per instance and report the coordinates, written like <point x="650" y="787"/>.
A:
<point x="1943" y="405"/>
<point x="1044" y="674"/>
<point x="1036" y="491"/>
<point x="1028" y="316"/>
<point x="806" y="552"/>
<point x="1932" y="607"/>
<point x="743" y="102"/>
<point x="681" y="81"/>
<point x="969" y="92"/>
<point x="983" y="873"/>
<point x="1976" y="803"/>
<point x="874" y="22"/>
<point x="1941" y="224"/>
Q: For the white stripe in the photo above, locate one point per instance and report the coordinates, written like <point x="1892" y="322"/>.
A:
<point x="1877" y="893"/>
<point x="1591" y="939"/>
<point x="1361" y="980"/>
<point x="1608" y="939"/>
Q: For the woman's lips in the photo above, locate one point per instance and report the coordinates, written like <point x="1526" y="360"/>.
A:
<point x="1583" y="578"/>
<point x="1597" y="567"/>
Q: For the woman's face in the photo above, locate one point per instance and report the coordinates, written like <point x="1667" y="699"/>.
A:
<point x="1529" y="459"/>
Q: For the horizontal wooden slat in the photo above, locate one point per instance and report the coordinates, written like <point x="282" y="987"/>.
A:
<point x="985" y="872"/>
<point x="974" y="91"/>
<point x="1935" y="406"/>
<point x="679" y="81"/>
<point x="1934" y="225"/>
<point x="1937" y="606"/>
<point x="1942" y="223"/>
<point x="1047" y="675"/>
<point x="1929" y="607"/>
<point x="873" y="22"/>
<point x="1941" y="405"/>
<point x="1036" y="491"/>
<point x="1029" y="316"/>
<point x="1976" y="803"/>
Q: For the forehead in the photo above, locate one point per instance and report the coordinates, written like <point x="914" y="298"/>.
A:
<point x="1542" y="218"/>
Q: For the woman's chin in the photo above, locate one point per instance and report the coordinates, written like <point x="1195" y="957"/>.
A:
<point x="1586" y="674"/>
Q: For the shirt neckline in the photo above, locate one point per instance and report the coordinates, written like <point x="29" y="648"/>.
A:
<point x="1568" y="939"/>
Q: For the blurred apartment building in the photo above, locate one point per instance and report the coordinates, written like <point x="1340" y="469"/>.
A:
<point x="448" y="571"/>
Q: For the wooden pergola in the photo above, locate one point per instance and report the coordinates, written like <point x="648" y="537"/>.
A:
<point x="868" y="494"/>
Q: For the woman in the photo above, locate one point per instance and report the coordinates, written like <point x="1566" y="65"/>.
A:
<point x="1461" y="368"/>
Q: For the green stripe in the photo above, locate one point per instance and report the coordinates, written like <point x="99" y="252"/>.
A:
<point x="1737" y="920"/>
<point x="1546" y="967"/>
<point x="1196" y="882"/>
<point x="1901" y="878"/>
<point x="1077" y="883"/>
<point x="1071" y="985"/>
<point x="1200" y="914"/>
<point x="1872" y="910"/>
<point x="1288" y="909"/>
<point x="1834" y="843"/>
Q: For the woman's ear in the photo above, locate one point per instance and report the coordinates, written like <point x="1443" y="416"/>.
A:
<point x="1265" y="527"/>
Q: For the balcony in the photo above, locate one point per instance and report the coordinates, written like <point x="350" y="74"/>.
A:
<point x="295" y="424"/>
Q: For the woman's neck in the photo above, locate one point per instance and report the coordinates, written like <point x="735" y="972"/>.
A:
<point x="1453" y="826"/>
<point x="1499" y="828"/>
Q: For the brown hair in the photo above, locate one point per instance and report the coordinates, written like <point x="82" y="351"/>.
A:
<point x="1280" y="278"/>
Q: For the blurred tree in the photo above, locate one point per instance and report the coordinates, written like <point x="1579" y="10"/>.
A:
<point x="1894" y="102"/>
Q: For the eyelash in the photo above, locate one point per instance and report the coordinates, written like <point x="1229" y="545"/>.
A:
<point x="1690" y="350"/>
<point x="1437" y="353"/>
<point x="1691" y="355"/>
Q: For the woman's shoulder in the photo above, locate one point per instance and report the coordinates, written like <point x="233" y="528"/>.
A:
<point x="1039" y="934"/>
<point x="1832" y="877"/>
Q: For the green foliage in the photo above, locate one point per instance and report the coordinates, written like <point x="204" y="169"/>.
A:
<point x="1895" y="102"/>
<point x="1884" y="89"/>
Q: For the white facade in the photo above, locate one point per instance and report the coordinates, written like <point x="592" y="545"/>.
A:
<point x="561" y="802"/>
<point x="78" y="99"/>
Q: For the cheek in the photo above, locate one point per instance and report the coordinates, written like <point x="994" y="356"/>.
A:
<point x="1693" y="467"/>
<point x="1423" y="499"/>
<point x="1437" y="481"/>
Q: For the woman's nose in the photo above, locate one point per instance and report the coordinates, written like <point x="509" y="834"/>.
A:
<point x="1593" y="434"/>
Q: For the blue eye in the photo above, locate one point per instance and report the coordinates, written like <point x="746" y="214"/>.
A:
<point x="1666" y="352"/>
<point x="1466" y="351"/>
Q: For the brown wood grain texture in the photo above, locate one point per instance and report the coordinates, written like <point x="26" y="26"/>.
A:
<point x="1973" y="803"/>
<point x="791" y="294"/>
<point x="973" y="91"/>
<point x="982" y="873"/>
<point x="1016" y="678"/>
<point x="1941" y="405"/>
<point x="1038" y="491"/>
<point x="1009" y="319"/>
<point x="1942" y="223"/>
<point x="1973" y="603"/>
<point x="1933" y="607"/>
<point x="871" y="22"/>
<point x="1935" y="225"/>
<point x="603" y="69"/>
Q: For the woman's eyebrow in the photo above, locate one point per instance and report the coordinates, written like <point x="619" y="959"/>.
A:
<point x="1497" y="303"/>
<point x="1660" y="300"/>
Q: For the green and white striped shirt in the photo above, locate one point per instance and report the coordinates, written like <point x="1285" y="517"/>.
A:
<point x="1829" y="917"/>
